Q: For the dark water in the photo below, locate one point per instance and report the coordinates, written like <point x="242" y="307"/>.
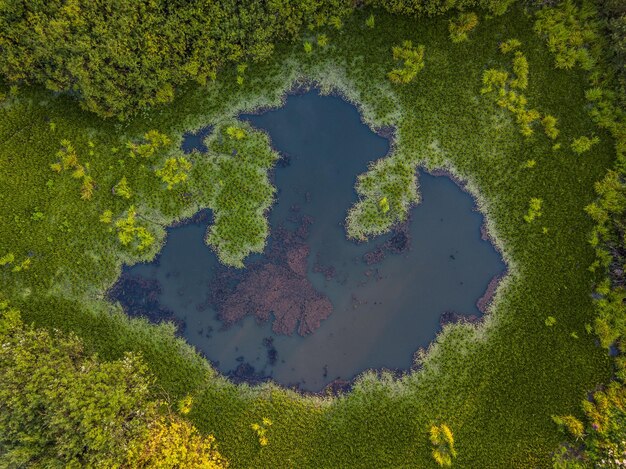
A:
<point x="382" y="312"/>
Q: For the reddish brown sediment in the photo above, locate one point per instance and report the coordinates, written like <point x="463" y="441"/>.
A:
<point x="328" y="271"/>
<point x="278" y="286"/>
<point x="452" y="317"/>
<point x="399" y="242"/>
<point x="484" y="301"/>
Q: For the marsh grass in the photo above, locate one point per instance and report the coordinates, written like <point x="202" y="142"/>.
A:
<point x="495" y="384"/>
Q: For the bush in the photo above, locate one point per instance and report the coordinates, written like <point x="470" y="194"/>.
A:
<point x="411" y="59"/>
<point x="462" y="25"/>
<point x="571" y="34"/>
<point x="583" y="144"/>
<point x="443" y="444"/>
<point x="60" y="407"/>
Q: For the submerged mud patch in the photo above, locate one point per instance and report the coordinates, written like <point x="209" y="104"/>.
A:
<point x="276" y="286"/>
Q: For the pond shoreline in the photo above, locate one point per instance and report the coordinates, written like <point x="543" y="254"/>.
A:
<point x="399" y="242"/>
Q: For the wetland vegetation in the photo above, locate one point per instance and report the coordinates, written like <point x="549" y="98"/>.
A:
<point x="524" y="101"/>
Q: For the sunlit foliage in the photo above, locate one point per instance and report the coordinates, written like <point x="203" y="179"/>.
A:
<point x="261" y="430"/>
<point x="150" y="143"/>
<point x="583" y="144"/>
<point x="534" y="209"/>
<point x="601" y="440"/>
<point x="443" y="444"/>
<point x="175" y="171"/>
<point x="61" y="407"/>
<point x="411" y="60"/>
<point x="132" y="235"/>
<point x="571" y="34"/>
<point x="462" y="25"/>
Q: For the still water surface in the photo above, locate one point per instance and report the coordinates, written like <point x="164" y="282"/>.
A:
<point x="383" y="312"/>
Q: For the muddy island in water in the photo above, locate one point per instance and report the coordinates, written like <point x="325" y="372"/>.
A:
<point x="315" y="308"/>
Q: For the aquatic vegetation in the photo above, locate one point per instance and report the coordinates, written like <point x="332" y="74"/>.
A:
<point x="386" y="192"/>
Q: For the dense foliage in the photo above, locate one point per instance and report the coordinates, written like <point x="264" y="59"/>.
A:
<point x="574" y="35"/>
<point x="127" y="55"/>
<point x="60" y="407"/>
<point x="438" y="7"/>
<point x="239" y="160"/>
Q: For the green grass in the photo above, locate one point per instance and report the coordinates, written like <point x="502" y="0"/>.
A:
<point x="495" y="385"/>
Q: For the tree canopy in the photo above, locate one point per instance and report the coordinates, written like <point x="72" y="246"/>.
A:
<point x="121" y="56"/>
<point x="60" y="407"/>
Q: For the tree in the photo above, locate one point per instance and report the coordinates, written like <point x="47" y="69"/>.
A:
<point x="443" y="444"/>
<point x="412" y="60"/>
<point x="60" y="407"/>
<point x="174" y="171"/>
<point x="172" y="442"/>
<point x="141" y="51"/>
<point x="122" y="189"/>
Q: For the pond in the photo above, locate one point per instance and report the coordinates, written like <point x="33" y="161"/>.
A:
<point x="369" y="306"/>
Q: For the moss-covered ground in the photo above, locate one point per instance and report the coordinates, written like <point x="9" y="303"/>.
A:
<point x="495" y="385"/>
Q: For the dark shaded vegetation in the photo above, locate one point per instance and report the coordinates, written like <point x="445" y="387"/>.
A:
<point x="124" y="56"/>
